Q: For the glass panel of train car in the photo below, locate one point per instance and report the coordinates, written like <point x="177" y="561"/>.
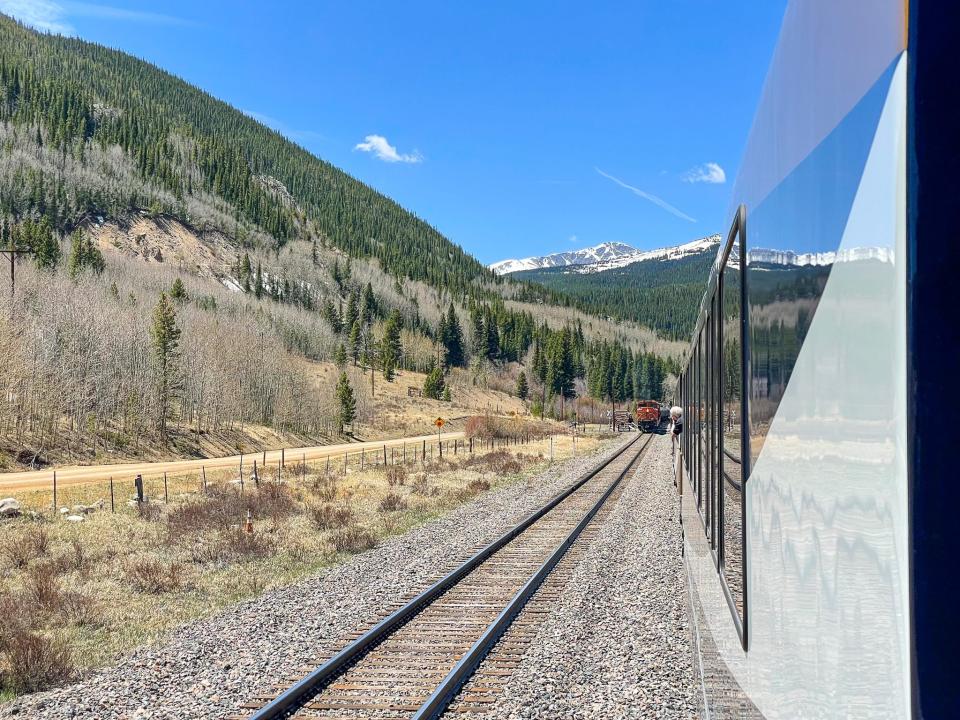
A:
<point x="702" y="421"/>
<point x="708" y="428"/>
<point x="731" y="420"/>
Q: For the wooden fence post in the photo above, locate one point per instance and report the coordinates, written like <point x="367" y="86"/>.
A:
<point x="54" y="492"/>
<point x="112" y="507"/>
<point x="384" y="454"/>
<point x="203" y="468"/>
<point x="166" y="494"/>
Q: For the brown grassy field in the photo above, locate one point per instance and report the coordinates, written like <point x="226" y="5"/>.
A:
<point x="76" y="595"/>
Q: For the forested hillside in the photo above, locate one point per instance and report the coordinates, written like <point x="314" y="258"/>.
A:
<point x="187" y="267"/>
<point x="660" y="294"/>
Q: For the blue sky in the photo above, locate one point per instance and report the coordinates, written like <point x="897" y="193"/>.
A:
<point x="516" y="128"/>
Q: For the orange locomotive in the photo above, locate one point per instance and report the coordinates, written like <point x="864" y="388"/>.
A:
<point x="648" y="415"/>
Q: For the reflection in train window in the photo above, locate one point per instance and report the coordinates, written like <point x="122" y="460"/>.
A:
<point x="731" y="422"/>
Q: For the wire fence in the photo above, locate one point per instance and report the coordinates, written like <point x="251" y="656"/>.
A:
<point x="275" y="466"/>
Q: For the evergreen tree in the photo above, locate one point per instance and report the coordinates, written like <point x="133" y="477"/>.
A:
<point x="446" y="393"/>
<point x="390" y="348"/>
<point x="356" y="342"/>
<point x="340" y="356"/>
<point x="114" y="291"/>
<point x="451" y="337"/>
<point x="46" y="248"/>
<point x="433" y="385"/>
<point x="522" y="389"/>
<point x="166" y="341"/>
<point x="368" y="305"/>
<point x="178" y="292"/>
<point x="258" y="283"/>
<point x="332" y="317"/>
<point x="353" y="312"/>
<point x="478" y="347"/>
<point x="245" y="272"/>
<point x="346" y="402"/>
<point x="83" y="255"/>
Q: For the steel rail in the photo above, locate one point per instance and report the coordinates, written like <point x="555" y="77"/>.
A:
<point x="464" y="669"/>
<point x="294" y="696"/>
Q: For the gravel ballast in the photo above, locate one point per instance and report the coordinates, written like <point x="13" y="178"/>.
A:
<point x="210" y="667"/>
<point x="616" y="644"/>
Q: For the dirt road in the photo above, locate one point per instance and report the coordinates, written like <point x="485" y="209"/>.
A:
<point x="86" y="474"/>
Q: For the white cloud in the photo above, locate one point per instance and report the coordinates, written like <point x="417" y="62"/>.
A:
<point x="647" y="196"/>
<point x="43" y="15"/>
<point x="709" y="172"/>
<point x="383" y="150"/>
<point x="52" y="16"/>
<point x="572" y="238"/>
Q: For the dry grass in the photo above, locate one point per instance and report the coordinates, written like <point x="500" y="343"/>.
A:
<point x="79" y="594"/>
<point x="151" y="575"/>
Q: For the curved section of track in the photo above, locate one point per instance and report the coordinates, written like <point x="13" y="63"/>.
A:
<point x="413" y="662"/>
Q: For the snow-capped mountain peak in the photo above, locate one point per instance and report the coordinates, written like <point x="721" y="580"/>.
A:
<point x="605" y="256"/>
<point x="603" y="252"/>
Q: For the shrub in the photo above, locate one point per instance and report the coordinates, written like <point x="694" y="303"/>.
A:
<point x="324" y="487"/>
<point x="331" y="517"/>
<point x="35" y="662"/>
<point x="223" y="507"/>
<point x="153" y="576"/>
<point x="488" y="426"/>
<point x="421" y="486"/>
<point x="353" y="539"/>
<point x="42" y="587"/>
<point x="478" y="486"/>
<point x="392" y="502"/>
<point x="79" y="609"/>
<point x="21" y="548"/>
<point x="149" y="512"/>
<point x="500" y="462"/>
<point x="396" y="475"/>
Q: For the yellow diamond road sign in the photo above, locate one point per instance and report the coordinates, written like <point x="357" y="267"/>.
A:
<point x="439" y="422"/>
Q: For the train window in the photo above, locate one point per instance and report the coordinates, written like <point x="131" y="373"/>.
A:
<point x="733" y="472"/>
<point x="708" y="423"/>
<point x="702" y="418"/>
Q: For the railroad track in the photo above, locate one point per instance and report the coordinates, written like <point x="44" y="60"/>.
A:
<point x="422" y="658"/>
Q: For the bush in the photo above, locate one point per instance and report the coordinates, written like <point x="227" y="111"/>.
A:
<point x="488" y="427"/>
<point x="396" y="475"/>
<point x="223" y="507"/>
<point x="331" y="517"/>
<point x="478" y="486"/>
<point x="42" y="587"/>
<point x="421" y="486"/>
<point x="324" y="487"/>
<point x="232" y="545"/>
<point x="21" y="548"/>
<point x="499" y="462"/>
<point x="35" y="662"/>
<point x="392" y="502"/>
<point x="153" y="576"/>
<point x="353" y="539"/>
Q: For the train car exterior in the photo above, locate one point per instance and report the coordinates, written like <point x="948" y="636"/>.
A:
<point x="818" y="494"/>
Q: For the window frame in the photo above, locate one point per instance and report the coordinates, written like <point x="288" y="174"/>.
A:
<point x="702" y="386"/>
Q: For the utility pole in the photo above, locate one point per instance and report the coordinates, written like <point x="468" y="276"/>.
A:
<point x="12" y="253"/>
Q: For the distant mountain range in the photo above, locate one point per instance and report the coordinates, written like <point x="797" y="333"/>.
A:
<point x="603" y="252"/>
<point x="606" y="256"/>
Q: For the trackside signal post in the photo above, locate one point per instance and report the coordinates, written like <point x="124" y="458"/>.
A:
<point x="439" y="422"/>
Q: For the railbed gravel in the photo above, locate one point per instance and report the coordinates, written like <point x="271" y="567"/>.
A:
<point x="616" y="644"/>
<point x="209" y="668"/>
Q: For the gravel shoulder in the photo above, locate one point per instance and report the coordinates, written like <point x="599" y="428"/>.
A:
<point x="617" y="644"/>
<point x="209" y="668"/>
